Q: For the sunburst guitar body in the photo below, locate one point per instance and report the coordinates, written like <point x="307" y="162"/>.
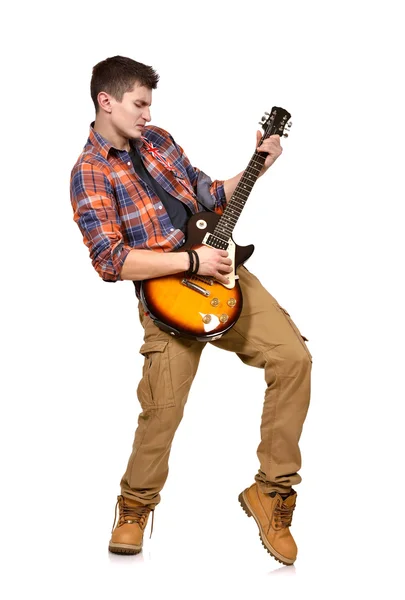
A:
<point x="196" y="306"/>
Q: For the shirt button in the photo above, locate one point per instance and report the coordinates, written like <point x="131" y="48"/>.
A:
<point x="128" y="163"/>
<point x="160" y="206"/>
<point x="171" y="229"/>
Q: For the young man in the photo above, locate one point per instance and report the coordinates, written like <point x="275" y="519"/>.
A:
<point x="132" y="191"/>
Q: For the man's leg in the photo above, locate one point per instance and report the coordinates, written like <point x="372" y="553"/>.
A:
<point x="266" y="337"/>
<point x="169" y="369"/>
<point x="168" y="372"/>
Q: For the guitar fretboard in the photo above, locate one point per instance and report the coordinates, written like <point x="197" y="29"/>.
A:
<point x="226" y="224"/>
<point x="231" y="214"/>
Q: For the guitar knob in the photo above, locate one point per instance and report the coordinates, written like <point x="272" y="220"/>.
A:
<point x="206" y="319"/>
<point x="223" y="318"/>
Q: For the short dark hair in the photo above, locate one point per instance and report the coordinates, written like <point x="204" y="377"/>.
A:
<point x="117" y="75"/>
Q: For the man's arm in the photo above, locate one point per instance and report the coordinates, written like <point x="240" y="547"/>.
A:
<point x="216" y="194"/>
<point x="230" y="185"/>
<point x="96" y="215"/>
<point x="272" y="146"/>
<point x="146" y="264"/>
<point x="95" y="212"/>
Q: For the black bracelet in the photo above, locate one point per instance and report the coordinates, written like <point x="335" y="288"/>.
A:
<point x="191" y="258"/>
<point x="197" y="261"/>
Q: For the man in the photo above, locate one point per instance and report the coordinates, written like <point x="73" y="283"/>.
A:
<point x="132" y="191"/>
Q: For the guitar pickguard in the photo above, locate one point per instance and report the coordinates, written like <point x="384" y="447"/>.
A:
<point x="231" y="252"/>
<point x="213" y="324"/>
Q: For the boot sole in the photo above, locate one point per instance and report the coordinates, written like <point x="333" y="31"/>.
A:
<point x="250" y="513"/>
<point x="124" y="548"/>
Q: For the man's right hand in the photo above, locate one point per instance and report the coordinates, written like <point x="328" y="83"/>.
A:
<point x="215" y="263"/>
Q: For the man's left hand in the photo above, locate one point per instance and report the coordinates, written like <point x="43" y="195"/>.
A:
<point x="272" y="146"/>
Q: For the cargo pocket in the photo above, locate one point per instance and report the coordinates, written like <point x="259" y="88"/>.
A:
<point x="155" y="390"/>
<point x="299" y="335"/>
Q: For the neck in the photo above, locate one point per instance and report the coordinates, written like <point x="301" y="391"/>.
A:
<point x="115" y="139"/>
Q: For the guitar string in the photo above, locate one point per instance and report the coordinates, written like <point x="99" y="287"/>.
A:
<point x="256" y="155"/>
<point x="248" y="171"/>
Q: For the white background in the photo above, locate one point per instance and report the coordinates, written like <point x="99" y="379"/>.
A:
<point x="326" y="224"/>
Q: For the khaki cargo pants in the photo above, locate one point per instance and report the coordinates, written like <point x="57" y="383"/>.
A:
<point x="265" y="337"/>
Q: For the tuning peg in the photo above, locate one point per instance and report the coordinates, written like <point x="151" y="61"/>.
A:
<point x="266" y="113"/>
<point x="285" y="135"/>
<point x="289" y="124"/>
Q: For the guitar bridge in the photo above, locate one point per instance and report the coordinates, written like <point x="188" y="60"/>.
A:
<point x="195" y="287"/>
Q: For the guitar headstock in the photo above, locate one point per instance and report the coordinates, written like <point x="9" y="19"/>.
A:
<point x="275" y="122"/>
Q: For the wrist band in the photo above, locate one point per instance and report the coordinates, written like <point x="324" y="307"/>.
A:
<point x="197" y="262"/>
<point x="191" y="259"/>
<point x="194" y="262"/>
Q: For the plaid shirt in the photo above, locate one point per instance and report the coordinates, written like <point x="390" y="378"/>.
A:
<point x="117" y="211"/>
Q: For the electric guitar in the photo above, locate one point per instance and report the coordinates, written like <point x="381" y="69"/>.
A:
<point x="198" y="306"/>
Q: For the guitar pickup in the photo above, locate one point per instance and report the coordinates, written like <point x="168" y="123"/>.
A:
<point x="195" y="287"/>
<point x="207" y="280"/>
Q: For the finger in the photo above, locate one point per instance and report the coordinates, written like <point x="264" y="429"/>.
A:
<point x="225" y="270"/>
<point x="269" y="145"/>
<point x="221" y="278"/>
<point x="223" y="253"/>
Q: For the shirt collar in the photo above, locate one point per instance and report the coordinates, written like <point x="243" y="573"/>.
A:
<point x="102" y="145"/>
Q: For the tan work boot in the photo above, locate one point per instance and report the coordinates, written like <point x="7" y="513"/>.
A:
<point x="127" y="537"/>
<point x="273" y="515"/>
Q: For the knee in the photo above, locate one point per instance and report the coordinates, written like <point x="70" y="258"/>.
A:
<point x="291" y="360"/>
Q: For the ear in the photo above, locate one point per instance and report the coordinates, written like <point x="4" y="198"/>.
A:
<point x="104" y="101"/>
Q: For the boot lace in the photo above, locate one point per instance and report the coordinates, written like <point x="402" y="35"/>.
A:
<point x="132" y="514"/>
<point x="283" y="515"/>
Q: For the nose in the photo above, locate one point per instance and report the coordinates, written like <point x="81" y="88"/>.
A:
<point x="146" y="114"/>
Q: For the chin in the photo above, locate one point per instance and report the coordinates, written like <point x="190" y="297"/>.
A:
<point x="136" y="133"/>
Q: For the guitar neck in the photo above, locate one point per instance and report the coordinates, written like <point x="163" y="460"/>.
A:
<point x="231" y="214"/>
<point x="273" y="125"/>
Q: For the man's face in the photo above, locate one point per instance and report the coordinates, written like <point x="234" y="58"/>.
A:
<point x="129" y="116"/>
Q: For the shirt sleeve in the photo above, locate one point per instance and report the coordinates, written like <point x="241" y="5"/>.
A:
<point x="95" y="212"/>
<point x="212" y="193"/>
